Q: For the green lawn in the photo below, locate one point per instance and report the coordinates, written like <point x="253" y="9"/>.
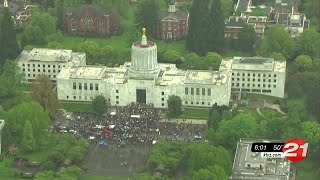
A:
<point x="178" y="46"/>
<point x="72" y="106"/>
<point x="261" y="97"/>
<point x="196" y="113"/>
<point x="102" y="178"/>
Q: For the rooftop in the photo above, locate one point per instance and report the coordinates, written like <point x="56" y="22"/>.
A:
<point x="43" y="54"/>
<point x="149" y="44"/>
<point x="252" y="60"/>
<point x="206" y="77"/>
<point x="249" y="165"/>
<point x="96" y="10"/>
<point x="88" y="72"/>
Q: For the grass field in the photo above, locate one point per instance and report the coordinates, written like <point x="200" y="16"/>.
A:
<point x="196" y="113"/>
<point x="102" y="178"/>
<point x="306" y="170"/>
<point x="72" y="107"/>
<point x="261" y="97"/>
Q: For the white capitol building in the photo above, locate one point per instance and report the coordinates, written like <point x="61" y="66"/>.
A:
<point x="144" y="80"/>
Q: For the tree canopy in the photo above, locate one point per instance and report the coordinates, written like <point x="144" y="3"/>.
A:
<point x="9" y="48"/>
<point x="42" y="91"/>
<point x="99" y="104"/>
<point x="147" y="16"/>
<point x="277" y="39"/>
<point x="174" y="106"/>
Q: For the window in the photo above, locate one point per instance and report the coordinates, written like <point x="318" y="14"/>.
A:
<point x="44" y="70"/>
<point x="91" y="86"/>
<point x="74" y="97"/>
<point x="238" y="74"/>
<point x="258" y="75"/>
<point x="232" y="84"/>
<point x="97" y="87"/>
<point x="274" y="86"/>
<point x="49" y="70"/>
<point x="243" y="79"/>
<point x="54" y="71"/>
<point x="258" y="80"/>
<point x="67" y="97"/>
<point x="34" y="75"/>
<point x="38" y="65"/>
<point x="263" y="85"/>
<point x="248" y="79"/>
<point x="43" y="66"/>
<point x="33" y="65"/>
<point x="248" y="85"/>
<point x="269" y="75"/>
<point x="117" y="91"/>
<point x="264" y="75"/>
<point x="58" y="66"/>
<point x="274" y="80"/>
<point x="197" y="91"/>
<point x="186" y="102"/>
<point x="203" y="91"/>
<point x="23" y="69"/>
<point x="49" y="76"/>
<point x="275" y="76"/>
<point x="197" y="103"/>
<point x="162" y="93"/>
<point x="117" y="97"/>
<point x="269" y="80"/>
<point x="23" y="65"/>
<point x="243" y="74"/>
<point x="238" y="79"/>
<point x="28" y="65"/>
<point x="209" y="92"/>
<point x="237" y="85"/>
<point x="80" y="86"/>
<point x="191" y="102"/>
<point x="254" y="75"/>
<point x="232" y="79"/>
<point x="242" y="84"/>
<point x="253" y="80"/>
<point x="117" y="102"/>
<point x="208" y="103"/>
<point x="186" y="91"/>
<point x="74" y="86"/>
<point x="54" y="66"/>
<point x="162" y="99"/>
<point x="269" y="86"/>
<point x="162" y="104"/>
<point x="54" y="76"/>
<point x="28" y="70"/>
<point x="232" y="74"/>
<point x="192" y="91"/>
<point x="249" y="74"/>
<point x="264" y="80"/>
<point x="48" y="66"/>
<point x="38" y="70"/>
<point x="258" y="85"/>
<point x="253" y="85"/>
<point x="85" y="86"/>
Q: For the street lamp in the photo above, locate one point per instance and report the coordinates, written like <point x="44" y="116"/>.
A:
<point x="1" y="127"/>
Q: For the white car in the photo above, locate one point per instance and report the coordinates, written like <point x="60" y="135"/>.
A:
<point x="197" y="137"/>
<point x="63" y="131"/>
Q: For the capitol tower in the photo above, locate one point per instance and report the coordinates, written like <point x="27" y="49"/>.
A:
<point x="144" y="64"/>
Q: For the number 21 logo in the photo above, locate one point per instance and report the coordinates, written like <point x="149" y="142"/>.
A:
<point x="295" y="150"/>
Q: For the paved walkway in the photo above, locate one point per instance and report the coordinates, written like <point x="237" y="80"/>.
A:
<point x="275" y="107"/>
<point x="192" y="121"/>
<point x="259" y="112"/>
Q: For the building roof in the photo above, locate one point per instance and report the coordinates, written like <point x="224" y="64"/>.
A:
<point x="253" y="64"/>
<point x="96" y="10"/>
<point x="250" y="165"/>
<point x="287" y="3"/>
<point x="50" y="55"/>
<point x="236" y="21"/>
<point x="282" y="18"/>
<point x="173" y="16"/>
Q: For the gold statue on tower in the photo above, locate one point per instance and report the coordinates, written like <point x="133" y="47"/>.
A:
<point x="144" y="31"/>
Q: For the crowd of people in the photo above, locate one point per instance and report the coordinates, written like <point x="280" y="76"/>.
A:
<point x="133" y="124"/>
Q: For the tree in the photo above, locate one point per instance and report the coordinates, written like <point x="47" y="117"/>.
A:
<point x="214" y="119"/>
<point x="277" y="39"/>
<point x="226" y="115"/>
<point x="174" y="106"/>
<point x="54" y="45"/>
<point x="99" y="104"/>
<point x="147" y="16"/>
<point x="42" y="91"/>
<point x="59" y="8"/>
<point x="18" y="115"/>
<point x="172" y="56"/>
<point x="91" y="49"/>
<point x="33" y="35"/>
<point x="8" y="41"/>
<point x="214" y="59"/>
<point x="303" y="62"/>
<point x="311" y="133"/>
<point x="247" y="39"/>
<point x="28" y="142"/>
<point x="10" y="79"/>
<point x="227" y="8"/>
<point x="197" y="39"/>
<point x="309" y="43"/>
<point x="243" y="125"/>
<point x="212" y="172"/>
<point x="277" y="56"/>
<point x="215" y="27"/>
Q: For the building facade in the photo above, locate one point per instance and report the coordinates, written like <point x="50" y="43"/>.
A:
<point x="256" y="75"/>
<point x="40" y="61"/>
<point x="173" y="24"/>
<point x="252" y="166"/>
<point x="90" y="20"/>
<point x="144" y="80"/>
<point x="20" y="13"/>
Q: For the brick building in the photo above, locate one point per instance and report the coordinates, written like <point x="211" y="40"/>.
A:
<point x="20" y="13"/>
<point x="173" y="24"/>
<point x="90" y="20"/>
